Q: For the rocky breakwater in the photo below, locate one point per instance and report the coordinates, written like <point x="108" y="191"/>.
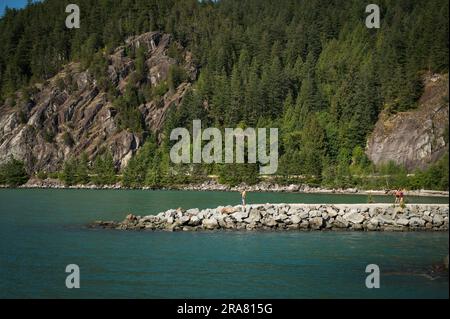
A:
<point x="358" y="217"/>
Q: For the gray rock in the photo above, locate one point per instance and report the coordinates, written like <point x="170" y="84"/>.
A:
<point x="340" y="222"/>
<point x="295" y="219"/>
<point x="316" y="222"/>
<point x="304" y="224"/>
<point x="304" y="215"/>
<point x="254" y="217"/>
<point x="184" y="219"/>
<point x="193" y="211"/>
<point x="170" y="213"/>
<point x="438" y="220"/>
<point x="161" y="215"/>
<point x="194" y="221"/>
<point x="210" y="223"/>
<point x="239" y="216"/>
<point x="331" y="212"/>
<point x="149" y="218"/>
<point x="354" y="217"/>
<point x="280" y="217"/>
<point x="416" y="222"/>
<point x="372" y="211"/>
<point x="403" y="221"/>
<point x="269" y="221"/>
<point x="314" y="213"/>
<point x="385" y="220"/>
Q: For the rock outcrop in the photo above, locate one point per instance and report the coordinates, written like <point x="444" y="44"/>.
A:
<point x="418" y="137"/>
<point x="358" y="217"/>
<point x="70" y="113"/>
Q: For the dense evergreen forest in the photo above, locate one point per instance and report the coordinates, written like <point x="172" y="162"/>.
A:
<point x="310" y="68"/>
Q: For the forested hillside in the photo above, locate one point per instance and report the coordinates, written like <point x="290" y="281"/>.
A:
<point x="310" y="68"/>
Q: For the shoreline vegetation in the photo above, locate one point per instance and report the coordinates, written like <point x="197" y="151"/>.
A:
<point x="285" y="217"/>
<point x="212" y="185"/>
<point x="102" y="174"/>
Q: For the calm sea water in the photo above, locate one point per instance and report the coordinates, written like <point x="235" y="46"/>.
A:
<point x="42" y="231"/>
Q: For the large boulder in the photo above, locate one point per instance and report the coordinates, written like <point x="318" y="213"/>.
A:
<point x="239" y="216"/>
<point x="331" y="212"/>
<point x="210" y="223"/>
<point x="316" y="222"/>
<point x="184" y="219"/>
<point x="438" y="220"/>
<point x="254" y="216"/>
<point x="269" y="221"/>
<point x="194" y="221"/>
<point x="192" y="211"/>
<point x="385" y="220"/>
<point x="280" y="217"/>
<point x="416" y="222"/>
<point x="403" y="221"/>
<point x="340" y="222"/>
<point x="295" y="219"/>
<point x="354" y="217"/>
<point x="228" y="210"/>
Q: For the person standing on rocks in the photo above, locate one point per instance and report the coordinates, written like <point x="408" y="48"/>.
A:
<point x="397" y="196"/>
<point x="402" y="197"/>
<point x="243" y="195"/>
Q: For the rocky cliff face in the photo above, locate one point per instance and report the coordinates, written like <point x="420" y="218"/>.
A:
<point x="70" y="114"/>
<point x="415" y="138"/>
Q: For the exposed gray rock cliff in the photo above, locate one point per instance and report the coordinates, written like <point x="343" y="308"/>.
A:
<point x="415" y="138"/>
<point x="70" y="114"/>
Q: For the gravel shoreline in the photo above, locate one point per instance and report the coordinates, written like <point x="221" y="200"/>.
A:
<point x="214" y="186"/>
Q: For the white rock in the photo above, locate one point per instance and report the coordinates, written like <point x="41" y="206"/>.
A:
<point x="295" y="219"/>
<point x="239" y="216"/>
<point x="354" y="217"/>
<point x="374" y="221"/>
<point x="438" y="220"/>
<point x="210" y="223"/>
<point x="403" y="221"/>
<point x="331" y="212"/>
<point x="194" y="221"/>
<point x="316" y="222"/>
<point x="416" y="222"/>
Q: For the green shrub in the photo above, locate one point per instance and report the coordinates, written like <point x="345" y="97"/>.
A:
<point x="13" y="173"/>
<point x="41" y="175"/>
<point x="177" y="75"/>
<point x="68" y="139"/>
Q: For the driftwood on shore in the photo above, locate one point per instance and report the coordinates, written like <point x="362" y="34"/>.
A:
<point x="358" y="217"/>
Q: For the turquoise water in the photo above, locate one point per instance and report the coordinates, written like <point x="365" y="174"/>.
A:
<point x="42" y="231"/>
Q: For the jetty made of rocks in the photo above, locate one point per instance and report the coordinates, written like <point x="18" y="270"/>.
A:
<point x="356" y="217"/>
